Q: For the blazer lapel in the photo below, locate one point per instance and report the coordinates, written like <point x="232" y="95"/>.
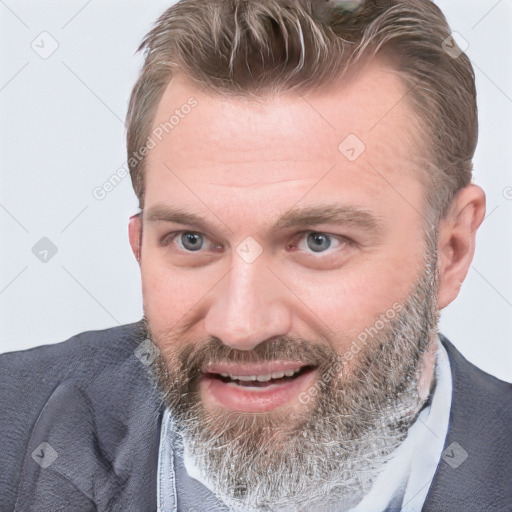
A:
<point x="476" y="467"/>
<point x="96" y="441"/>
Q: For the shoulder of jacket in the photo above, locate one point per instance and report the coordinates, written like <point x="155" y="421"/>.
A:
<point x="84" y="353"/>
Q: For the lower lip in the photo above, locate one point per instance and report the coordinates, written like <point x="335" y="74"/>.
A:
<point x="250" y="399"/>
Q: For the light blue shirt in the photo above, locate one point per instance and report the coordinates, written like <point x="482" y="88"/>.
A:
<point x="402" y="485"/>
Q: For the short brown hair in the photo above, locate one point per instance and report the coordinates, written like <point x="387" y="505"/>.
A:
<point x="256" y="47"/>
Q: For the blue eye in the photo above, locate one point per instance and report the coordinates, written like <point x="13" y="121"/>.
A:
<point x="318" y="242"/>
<point x="191" y="241"/>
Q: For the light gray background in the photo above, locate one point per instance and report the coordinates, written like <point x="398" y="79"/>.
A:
<point x="62" y="135"/>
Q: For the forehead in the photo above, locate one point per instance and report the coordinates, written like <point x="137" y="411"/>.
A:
<point x="231" y="148"/>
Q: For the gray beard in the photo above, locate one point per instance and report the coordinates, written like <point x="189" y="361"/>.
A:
<point x="323" y="456"/>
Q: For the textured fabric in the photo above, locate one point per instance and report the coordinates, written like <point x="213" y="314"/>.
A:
<point x="176" y="489"/>
<point x="480" y="430"/>
<point x="91" y="400"/>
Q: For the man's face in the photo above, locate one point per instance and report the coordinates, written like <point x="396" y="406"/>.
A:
<point x="242" y="166"/>
<point x="312" y="232"/>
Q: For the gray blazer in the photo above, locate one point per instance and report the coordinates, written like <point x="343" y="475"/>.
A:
<point x="91" y="400"/>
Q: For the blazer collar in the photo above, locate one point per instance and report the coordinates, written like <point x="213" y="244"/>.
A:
<point x="105" y="431"/>
<point x="475" y="469"/>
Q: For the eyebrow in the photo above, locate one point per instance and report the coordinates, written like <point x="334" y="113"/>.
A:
<point x="167" y="213"/>
<point x="329" y="214"/>
<point x="297" y="217"/>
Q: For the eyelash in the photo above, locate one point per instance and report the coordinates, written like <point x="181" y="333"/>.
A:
<point x="342" y="240"/>
<point x="169" y="238"/>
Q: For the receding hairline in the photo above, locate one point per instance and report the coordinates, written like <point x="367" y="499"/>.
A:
<point x="420" y="156"/>
<point x="386" y="59"/>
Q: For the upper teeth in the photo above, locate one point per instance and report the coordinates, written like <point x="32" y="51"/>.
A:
<point x="262" y="378"/>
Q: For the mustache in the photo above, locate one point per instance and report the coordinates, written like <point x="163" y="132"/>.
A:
<point x="194" y="357"/>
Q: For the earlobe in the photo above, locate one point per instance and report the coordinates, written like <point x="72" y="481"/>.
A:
<point x="135" y="235"/>
<point x="456" y="244"/>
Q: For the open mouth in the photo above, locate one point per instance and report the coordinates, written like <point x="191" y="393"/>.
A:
<point x="262" y="380"/>
<point x="256" y="388"/>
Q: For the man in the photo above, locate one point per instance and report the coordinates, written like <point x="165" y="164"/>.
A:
<point x="303" y="170"/>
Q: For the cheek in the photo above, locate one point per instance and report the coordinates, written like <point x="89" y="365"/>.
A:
<point x="353" y="299"/>
<point x="168" y="294"/>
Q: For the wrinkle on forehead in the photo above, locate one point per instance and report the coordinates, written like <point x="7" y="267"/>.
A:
<point x="258" y="184"/>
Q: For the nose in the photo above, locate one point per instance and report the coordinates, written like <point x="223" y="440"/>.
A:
<point x="248" y="306"/>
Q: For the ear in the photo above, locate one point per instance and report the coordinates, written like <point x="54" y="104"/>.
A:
<point x="135" y="235"/>
<point x="456" y="246"/>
